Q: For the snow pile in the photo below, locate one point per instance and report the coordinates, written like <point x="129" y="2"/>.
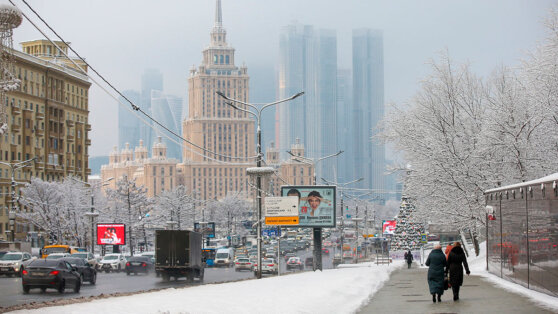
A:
<point x="342" y="290"/>
<point x="477" y="266"/>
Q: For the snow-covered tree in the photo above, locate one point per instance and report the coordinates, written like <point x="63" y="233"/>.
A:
<point x="176" y="205"/>
<point x="57" y="208"/>
<point x="462" y="136"/>
<point x="42" y="200"/>
<point x="129" y="205"/>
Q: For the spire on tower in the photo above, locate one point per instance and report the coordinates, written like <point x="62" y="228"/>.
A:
<point x="218" y="14"/>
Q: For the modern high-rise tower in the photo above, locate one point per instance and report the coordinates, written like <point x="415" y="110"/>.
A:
<point x="226" y="134"/>
<point x="308" y="62"/>
<point x="152" y="79"/>
<point x="128" y="123"/>
<point x="368" y="107"/>
<point x="162" y="111"/>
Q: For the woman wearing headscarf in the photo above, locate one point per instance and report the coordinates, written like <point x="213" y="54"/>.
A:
<point x="456" y="261"/>
<point x="436" y="263"/>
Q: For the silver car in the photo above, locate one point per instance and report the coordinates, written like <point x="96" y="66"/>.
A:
<point x="12" y="263"/>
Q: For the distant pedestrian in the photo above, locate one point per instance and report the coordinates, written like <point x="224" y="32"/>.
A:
<point x="456" y="260"/>
<point x="436" y="263"/>
<point x="448" y="250"/>
<point x="409" y="258"/>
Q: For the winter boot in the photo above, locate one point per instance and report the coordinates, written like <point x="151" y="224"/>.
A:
<point x="434" y="297"/>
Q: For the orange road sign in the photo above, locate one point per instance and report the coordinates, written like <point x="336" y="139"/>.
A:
<point x="282" y="221"/>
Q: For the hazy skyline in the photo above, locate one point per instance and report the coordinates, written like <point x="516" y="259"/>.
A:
<point x="122" y="39"/>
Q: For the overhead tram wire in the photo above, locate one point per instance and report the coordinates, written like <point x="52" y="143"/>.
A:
<point x="134" y="107"/>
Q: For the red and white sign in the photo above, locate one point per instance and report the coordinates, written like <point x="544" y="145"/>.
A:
<point x="389" y="227"/>
<point x="111" y="234"/>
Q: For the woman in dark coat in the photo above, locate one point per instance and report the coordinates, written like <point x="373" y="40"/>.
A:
<point x="456" y="261"/>
<point x="436" y="263"/>
<point x="409" y="258"/>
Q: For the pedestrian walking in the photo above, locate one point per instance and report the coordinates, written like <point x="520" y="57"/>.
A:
<point x="456" y="261"/>
<point x="409" y="258"/>
<point x="436" y="263"/>
<point x="448" y="250"/>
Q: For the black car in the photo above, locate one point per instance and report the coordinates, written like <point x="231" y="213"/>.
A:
<point x="86" y="271"/>
<point x="139" y="264"/>
<point x="57" y="274"/>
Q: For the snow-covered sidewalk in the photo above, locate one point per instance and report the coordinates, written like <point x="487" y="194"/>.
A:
<point x="342" y="290"/>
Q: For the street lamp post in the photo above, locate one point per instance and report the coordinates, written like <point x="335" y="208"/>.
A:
<point x="13" y="210"/>
<point x="258" y="115"/>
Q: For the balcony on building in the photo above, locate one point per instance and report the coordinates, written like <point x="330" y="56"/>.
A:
<point x="88" y="127"/>
<point x="70" y="123"/>
<point x="88" y="142"/>
<point x="39" y="115"/>
<point x="16" y="110"/>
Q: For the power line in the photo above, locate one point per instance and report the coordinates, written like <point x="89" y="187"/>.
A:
<point x="134" y="107"/>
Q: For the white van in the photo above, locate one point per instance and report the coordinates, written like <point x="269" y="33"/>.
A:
<point x="224" y="257"/>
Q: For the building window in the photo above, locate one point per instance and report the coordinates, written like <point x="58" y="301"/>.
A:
<point x="227" y="60"/>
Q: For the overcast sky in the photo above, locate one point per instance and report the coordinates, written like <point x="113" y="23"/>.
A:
<point x="123" y="38"/>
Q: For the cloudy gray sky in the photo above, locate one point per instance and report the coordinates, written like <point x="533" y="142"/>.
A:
<point x="122" y="38"/>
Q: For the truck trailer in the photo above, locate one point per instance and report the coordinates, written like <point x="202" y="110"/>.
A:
<point x="178" y="253"/>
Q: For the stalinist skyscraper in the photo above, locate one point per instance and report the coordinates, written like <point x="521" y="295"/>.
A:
<point x="226" y="134"/>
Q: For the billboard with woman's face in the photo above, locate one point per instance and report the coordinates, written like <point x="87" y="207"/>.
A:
<point x="111" y="234"/>
<point x="316" y="204"/>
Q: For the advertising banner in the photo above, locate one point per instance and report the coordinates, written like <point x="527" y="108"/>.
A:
<point x="207" y="229"/>
<point x="389" y="227"/>
<point x="111" y="234"/>
<point x="316" y="204"/>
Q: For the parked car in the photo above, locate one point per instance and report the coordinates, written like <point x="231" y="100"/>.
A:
<point x="12" y="263"/>
<point x="57" y="255"/>
<point x="90" y="258"/>
<point x="86" y="271"/>
<point x="294" y="263"/>
<point x="139" y="264"/>
<point x="50" y="273"/>
<point x="325" y="251"/>
<point x="112" y="262"/>
<point x="242" y="263"/>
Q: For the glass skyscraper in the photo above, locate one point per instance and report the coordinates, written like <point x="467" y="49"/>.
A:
<point x="368" y="108"/>
<point x="308" y="62"/>
<point x="128" y="123"/>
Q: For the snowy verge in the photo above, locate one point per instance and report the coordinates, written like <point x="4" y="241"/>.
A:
<point x="477" y="266"/>
<point x="342" y="290"/>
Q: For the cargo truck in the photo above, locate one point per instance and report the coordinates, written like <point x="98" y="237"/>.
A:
<point x="178" y="253"/>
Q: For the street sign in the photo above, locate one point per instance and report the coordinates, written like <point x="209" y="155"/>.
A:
<point x="282" y="221"/>
<point x="281" y="206"/>
<point x="423" y="238"/>
<point x="273" y="232"/>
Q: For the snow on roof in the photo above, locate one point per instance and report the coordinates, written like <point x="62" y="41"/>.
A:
<point x="552" y="177"/>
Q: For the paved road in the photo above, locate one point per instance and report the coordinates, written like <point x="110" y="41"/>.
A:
<point x="407" y="292"/>
<point x="12" y="294"/>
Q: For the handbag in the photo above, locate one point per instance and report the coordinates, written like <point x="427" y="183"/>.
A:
<point x="446" y="283"/>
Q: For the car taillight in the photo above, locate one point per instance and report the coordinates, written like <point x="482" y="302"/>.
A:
<point x="237" y="263"/>
<point x="128" y="264"/>
<point x="24" y="272"/>
<point x="54" y="272"/>
<point x="270" y="265"/>
<point x="143" y="264"/>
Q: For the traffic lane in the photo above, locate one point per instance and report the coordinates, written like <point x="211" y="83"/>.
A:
<point x="12" y="293"/>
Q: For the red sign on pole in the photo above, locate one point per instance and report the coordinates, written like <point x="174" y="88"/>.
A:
<point x="111" y="234"/>
<point x="389" y="227"/>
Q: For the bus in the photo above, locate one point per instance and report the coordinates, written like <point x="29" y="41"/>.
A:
<point x="208" y="255"/>
<point x="60" y="248"/>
